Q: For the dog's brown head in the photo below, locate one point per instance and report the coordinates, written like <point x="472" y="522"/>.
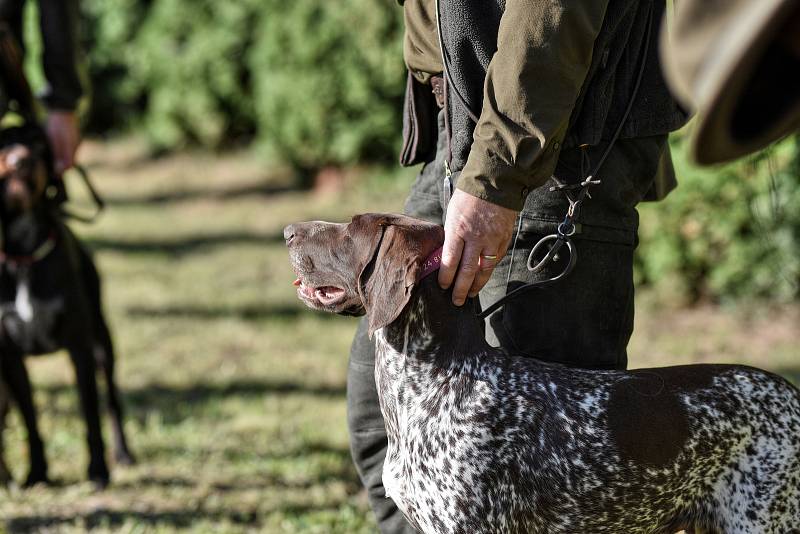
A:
<point x="369" y="265"/>
<point x="23" y="171"/>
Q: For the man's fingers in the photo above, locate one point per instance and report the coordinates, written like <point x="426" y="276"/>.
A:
<point x="503" y="250"/>
<point x="479" y="282"/>
<point x="64" y="136"/>
<point x="60" y="156"/>
<point x="487" y="264"/>
<point x="473" y="227"/>
<point x="68" y="150"/>
<point x="67" y="156"/>
<point x="451" y="256"/>
<point x="467" y="272"/>
<point x="61" y="153"/>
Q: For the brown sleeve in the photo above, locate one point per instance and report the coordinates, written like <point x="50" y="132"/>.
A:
<point x="59" y="23"/>
<point x="543" y="55"/>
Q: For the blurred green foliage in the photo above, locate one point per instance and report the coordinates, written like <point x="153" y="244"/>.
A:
<point x="315" y="83"/>
<point x="726" y="232"/>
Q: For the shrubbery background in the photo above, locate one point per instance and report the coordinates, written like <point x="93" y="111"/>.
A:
<point x="316" y="84"/>
<point x="730" y="232"/>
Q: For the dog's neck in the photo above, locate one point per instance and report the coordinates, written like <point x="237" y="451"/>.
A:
<point x="417" y="354"/>
<point x="432" y="329"/>
<point x="23" y="234"/>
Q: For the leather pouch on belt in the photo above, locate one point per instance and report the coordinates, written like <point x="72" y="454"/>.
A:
<point x="420" y="130"/>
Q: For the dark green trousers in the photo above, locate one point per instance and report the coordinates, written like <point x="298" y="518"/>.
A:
<point x="586" y="320"/>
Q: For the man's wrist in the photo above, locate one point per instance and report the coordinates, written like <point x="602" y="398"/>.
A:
<point x="511" y="195"/>
<point x="492" y="178"/>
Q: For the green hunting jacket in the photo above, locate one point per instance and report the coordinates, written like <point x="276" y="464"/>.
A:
<point x="541" y="77"/>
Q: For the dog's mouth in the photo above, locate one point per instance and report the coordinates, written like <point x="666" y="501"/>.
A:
<point x="320" y="295"/>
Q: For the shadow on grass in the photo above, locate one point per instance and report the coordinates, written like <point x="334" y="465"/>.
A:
<point x="346" y="475"/>
<point x="338" y="468"/>
<point x="117" y="518"/>
<point x="183" y="518"/>
<point x="156" y="395"/>
<point x="176" y="403"/>
<point x="247" y="312"/>
<point x="254" y="190"/>
<point x="182" y="246"/>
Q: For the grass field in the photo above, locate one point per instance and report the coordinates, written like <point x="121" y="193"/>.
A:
<point x="235" y="393"/>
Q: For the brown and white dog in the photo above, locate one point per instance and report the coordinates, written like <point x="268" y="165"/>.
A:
<point x="486" y="441"/>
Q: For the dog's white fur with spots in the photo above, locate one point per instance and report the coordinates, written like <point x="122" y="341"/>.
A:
<point x="484" y="441"/>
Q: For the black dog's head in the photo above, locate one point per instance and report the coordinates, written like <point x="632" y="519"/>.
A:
<point x="24" y="170"/>
<point x="369" y="265"/>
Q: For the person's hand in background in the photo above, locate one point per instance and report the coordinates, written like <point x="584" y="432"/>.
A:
<point x="64" y="136"/>
<point x="476" y="236"/>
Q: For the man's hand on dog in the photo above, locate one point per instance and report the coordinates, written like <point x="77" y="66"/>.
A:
<point x="64" y="136"/>
<point x="477" y="234"/>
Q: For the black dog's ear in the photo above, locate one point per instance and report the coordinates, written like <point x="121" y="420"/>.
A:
<point x="387" y="280"/>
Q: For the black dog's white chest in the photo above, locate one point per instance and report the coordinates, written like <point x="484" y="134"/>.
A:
<point x="28" y="320"/>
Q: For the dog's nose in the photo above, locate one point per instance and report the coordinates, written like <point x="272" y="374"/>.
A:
<point x="288" y="234"/>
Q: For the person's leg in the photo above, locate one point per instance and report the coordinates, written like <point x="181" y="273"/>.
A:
<point x="368" y="440"/>
<point x="584" y="320"/>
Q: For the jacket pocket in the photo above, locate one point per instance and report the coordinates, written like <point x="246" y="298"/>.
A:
<point x="419" y="124"/>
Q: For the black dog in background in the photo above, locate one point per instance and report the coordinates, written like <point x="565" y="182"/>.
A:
<point x="49" y="300"/>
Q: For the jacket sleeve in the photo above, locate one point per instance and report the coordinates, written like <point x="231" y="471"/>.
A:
<point x="544" y="51"/>
<point x="59" y="24"/>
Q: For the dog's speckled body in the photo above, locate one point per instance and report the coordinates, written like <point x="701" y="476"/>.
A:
<point x="483" y="441"/>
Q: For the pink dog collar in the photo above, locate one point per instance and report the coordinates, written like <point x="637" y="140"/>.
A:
<point x="432" y="264"/>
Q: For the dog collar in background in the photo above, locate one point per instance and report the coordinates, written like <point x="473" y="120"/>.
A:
<point x="39" y="254"/>
<point x="432" y="263"/>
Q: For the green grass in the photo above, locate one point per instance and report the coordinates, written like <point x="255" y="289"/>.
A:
<point x="235" y="392"/>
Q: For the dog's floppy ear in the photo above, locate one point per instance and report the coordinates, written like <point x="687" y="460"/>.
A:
<point x="386" y="282"/>
<point x="366" y="231"/>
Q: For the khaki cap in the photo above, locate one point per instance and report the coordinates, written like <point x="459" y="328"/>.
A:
<point x="723" y="58"/>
